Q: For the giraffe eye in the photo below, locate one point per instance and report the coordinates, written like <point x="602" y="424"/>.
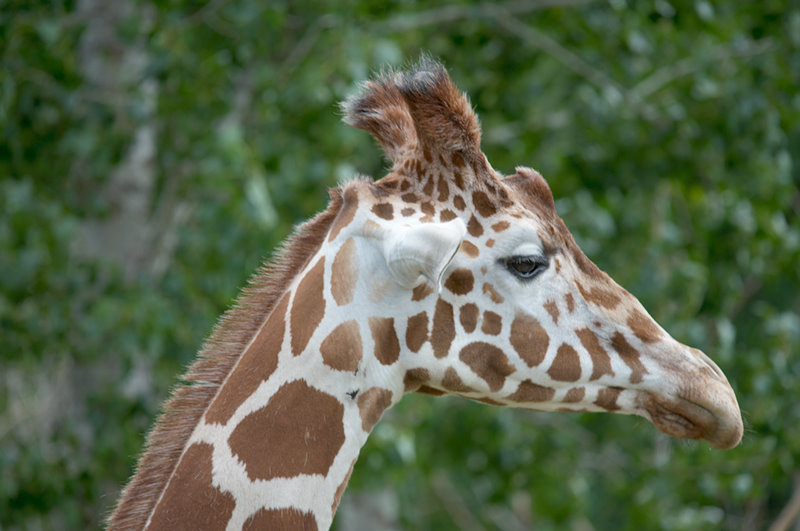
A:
<point x="526" y="267"/>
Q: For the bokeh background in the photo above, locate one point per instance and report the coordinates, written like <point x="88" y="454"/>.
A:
<point x="153" y="153"/>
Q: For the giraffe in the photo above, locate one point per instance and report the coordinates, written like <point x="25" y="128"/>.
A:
<point x="443" y="277"/>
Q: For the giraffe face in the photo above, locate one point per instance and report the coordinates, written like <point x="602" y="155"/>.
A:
<point x="517" y="315"/>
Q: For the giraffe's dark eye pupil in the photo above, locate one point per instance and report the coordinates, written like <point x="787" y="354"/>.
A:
<point x="526" y="267"/>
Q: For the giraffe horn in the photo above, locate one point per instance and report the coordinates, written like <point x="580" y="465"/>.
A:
<point x="380" y="109"/>
<point x="442" y="115"/>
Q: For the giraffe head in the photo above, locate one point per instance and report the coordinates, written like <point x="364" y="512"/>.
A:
<point x="476" y="287"/>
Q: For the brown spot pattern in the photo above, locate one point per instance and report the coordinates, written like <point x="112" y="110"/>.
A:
<point x="346" y="213"/>
<point x="529" y="339"/>
<point x="599" y="296"/>
<point x="447" y="215"/>
<point x="279" y="519"/>
<point x="342" y="349"/>
<point x="643" y="327"/>
<point x="444" y="190"/>
<point x="552" y="308"/>
<point x="414" y="378"/>
<point x="469" y="249"/>
<point x="383" y="210"/>
<point x="453" y="382"/>
<point x="607" y="398"/>
<point x="483" y="204"/>
<point x="492" y="323"/>
<point x="490" y="242"/>
<point x="570" y="302"/>
<point x="531" y="392"/>
<point x="574" y="395"/>
<point x="474" y="227"/>
<point x="371" y="405"/>
<point x="488" y="362"/>
<point x="500" y="226"/>
<point x="459" y="203"/>
<point x="407" y="212"/>
<point x="428" y="390"/>
<point x="468" y="315"/>
<point x="299" y="431"/>
<point x="344" y="273"/>
<point x="340" y="489"/>
<point x="417" y="331"/>
<point x="387" y="346"/>
<point x="308" y="307"/>
<point x="489" y="290"/>
<point x="421" y="291"/>
<point x="460" y="281"/>
<point x="601" y="362"/>
<point x="629" y="355"/>
<point x="566" y="366"/>
<point x="256" y="365"/>
<point x="443" y="331"/>
<point x="191" y="487"/>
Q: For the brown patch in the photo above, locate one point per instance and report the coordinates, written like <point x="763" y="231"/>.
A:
<point x="344" y="273"/>
<point x="428" y="390"/>
<point x="339" y="490"/>
<point x="600" y="360"/>
<point x="643" y="327"/>
<point x="452" y="382"/>
<point x="342" y="350"/>
<point x="500" y="226"/>
<point x="469" y="249"/>
<point x="566" y="366"/>
<point x="490" y="242"/>
<point x="483" y="204"/>
<point x="570" y="302"/>
<point x="474" y="227"/>
<point x="299" y="431"/>
<point x="346" y="213"/>
<point x="256" y="365"/>
<point x="529" y="339"/>
<point x="371" y="405"/>
<point x="443" y="331"/>
<point x="444" y="190"/>
<point x="489" y="290"/>
<point x="459" y="203"/>
<point x="492" y="323"/>
<point x="276" y="519"/>
<point x="409" y="197"/>
<point x="387" y="346"/>
<point x="460" y="281"/>
<point x="427" y="208"/>
<point x="607" y="398"/>
<point x="406" y="212"/>
<point x="468" y="315"/>
<point x="630" y="356"/>
<point x="415" y="378"/>
<point x="191" y="487"/>
<point x="574" y="395"/>
<point x="417" y="331"/>
<point x="406" y="184"/>
<point x="447" y="215"/>
<point x="458" y="162"/>
<point x="427" y="154"/>
<point x="552" y="308"/>
<point x="421" y="291"/>
<point x="383" y="210"/>
<point x="531" y="392"/>
<point x="428" y="189"/>
<point x="599" y="296"/>
<point x="308" y="307"/>
<point x="488" y="362"/>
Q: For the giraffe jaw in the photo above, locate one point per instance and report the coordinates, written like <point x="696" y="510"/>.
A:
<point x="720" y="426"/>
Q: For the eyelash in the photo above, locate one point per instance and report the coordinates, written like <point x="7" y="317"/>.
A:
<point x="526" y="267"/>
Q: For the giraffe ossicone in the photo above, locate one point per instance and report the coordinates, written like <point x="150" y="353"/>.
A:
<point x="442" y="277"/>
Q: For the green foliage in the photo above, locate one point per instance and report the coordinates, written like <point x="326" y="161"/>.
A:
<point x="668" y="131"/>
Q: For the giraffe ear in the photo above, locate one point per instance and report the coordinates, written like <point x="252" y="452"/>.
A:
<point x="422" y="250"/>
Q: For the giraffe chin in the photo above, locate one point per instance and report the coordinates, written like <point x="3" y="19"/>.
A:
<point x="682" y="418"/>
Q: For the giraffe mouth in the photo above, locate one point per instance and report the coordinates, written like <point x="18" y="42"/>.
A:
<point x="679" y="417"/>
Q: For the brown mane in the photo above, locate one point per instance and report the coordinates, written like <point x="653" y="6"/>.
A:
<point x="190" y="398"/>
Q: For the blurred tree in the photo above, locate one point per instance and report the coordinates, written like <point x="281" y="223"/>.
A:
<point x="152" y="153"/>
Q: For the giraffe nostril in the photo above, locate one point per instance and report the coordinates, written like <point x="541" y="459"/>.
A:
<point x="708" y="362"/>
